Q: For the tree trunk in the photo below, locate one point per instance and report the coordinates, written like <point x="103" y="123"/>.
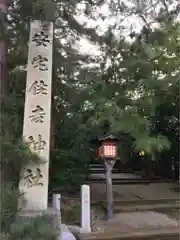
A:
<point x="3" y="63"/>
<point x="3" y="48"/>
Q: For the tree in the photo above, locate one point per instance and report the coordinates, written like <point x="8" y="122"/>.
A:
<point x="15" y="153"/>
<point x="19" y="15"/>
<point x="139" y="66"/>
<point x="120" y="85"/>
<point x="3" y="48"/>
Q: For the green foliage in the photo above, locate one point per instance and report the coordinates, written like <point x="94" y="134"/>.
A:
<point x="15" y="154"/>
<point x="126" y="86"/>
<point x="72" y="167"/>
<point x="17" y="227"/>
<point x="71" y="212"/>
<point x="39" y="227"/>
<point x="132" y="86"/>
<point x="76" y="211"/>
<point x="9" y="205"/>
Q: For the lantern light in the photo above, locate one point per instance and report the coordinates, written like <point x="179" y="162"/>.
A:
<point x="142" y="153"/>
<point x="107" y="147"/>
<point x="107" y="151"/>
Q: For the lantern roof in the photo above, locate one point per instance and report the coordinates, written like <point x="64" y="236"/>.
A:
<point x="107" y="137"/>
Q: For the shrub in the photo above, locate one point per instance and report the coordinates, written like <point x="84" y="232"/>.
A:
<point x="14" y="227"/>
<point x="38" y="228"/>
<point x="9" y="205"/>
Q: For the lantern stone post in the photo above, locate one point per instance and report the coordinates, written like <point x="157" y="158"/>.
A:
<point x="107" y="151"/>
<point x="109" y="191"/>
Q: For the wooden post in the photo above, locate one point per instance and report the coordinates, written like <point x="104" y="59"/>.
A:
<point x="109" y="192"/>
<point x="108" y="168"/>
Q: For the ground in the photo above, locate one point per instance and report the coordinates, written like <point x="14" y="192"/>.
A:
<point x="137" y="192"/>
<point x="128" y="220"/>
<point x="156" y="224"/>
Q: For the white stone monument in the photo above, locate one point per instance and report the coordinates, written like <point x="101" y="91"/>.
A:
<point x="56" y="204"/>
<point x="37" y="115"/>
<point x="85" y="209"/>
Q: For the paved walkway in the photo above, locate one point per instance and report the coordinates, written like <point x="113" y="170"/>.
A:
<point x="138" y="220"/>
<point x="97" y="171"/>
<point x="132" y="192"/>
<point x="150" y="191"/>
<point x="136" y="224"/>
<point x="116" y="176"/>
<point x="98" y="192"/>
<point x="129" y="192"/>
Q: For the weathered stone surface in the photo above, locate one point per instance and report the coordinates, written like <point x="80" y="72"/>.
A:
<point x="85" y="209"/>
<point x="164" y="234"/>
<point x="66" y="234"/>
<point x="126" y="222"/>
<point x="37" y="115"/>
<point x="136" y="225"/>
<point x="74" y="229"/>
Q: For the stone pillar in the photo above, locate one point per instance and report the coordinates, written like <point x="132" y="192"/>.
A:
<point x="56" y="204"/>
<point x="85" y="209"/>
<point x="37" y="115"/>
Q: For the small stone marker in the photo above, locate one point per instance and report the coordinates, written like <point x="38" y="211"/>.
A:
<point x="56" y="204"/>
<point x="85" y="209"/>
